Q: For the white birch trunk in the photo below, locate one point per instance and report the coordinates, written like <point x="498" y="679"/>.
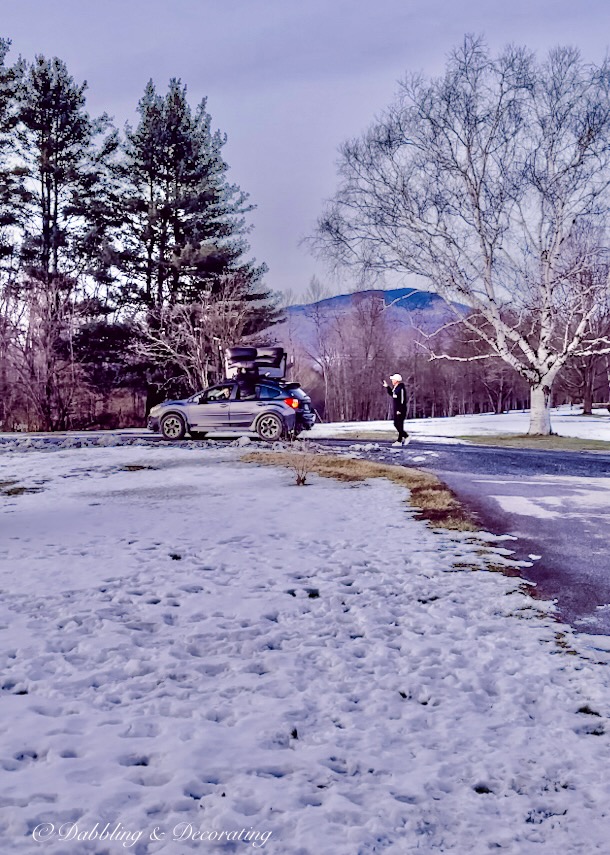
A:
<point x="540" y="412"/>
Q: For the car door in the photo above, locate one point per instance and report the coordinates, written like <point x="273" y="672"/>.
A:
<point x="244" y="408"/>
<point x="211" y="410"/>
<point x="266" y="395"/>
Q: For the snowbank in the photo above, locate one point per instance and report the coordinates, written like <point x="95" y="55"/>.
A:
<point x="565" y="421"/>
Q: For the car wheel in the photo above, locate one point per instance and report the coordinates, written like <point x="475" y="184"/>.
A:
<point x="197" y="434"/>
<point x="270" y="427"/>
<point x="173" y="426"/>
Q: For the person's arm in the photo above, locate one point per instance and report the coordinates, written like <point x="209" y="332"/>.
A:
<point x="401" y="400"/>
<point x="388" y="389"/>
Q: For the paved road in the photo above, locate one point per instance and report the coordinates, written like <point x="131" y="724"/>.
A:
<point x="557" y="504"/>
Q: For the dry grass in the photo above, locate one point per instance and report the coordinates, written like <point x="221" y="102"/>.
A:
<point x="549" y="443"/>
<point x="553" y="442"/>
<point x="362" y="434"/>
<point x="136" y="467"/>
<point x="434" y="500"/>
<point x="12" y="488"/>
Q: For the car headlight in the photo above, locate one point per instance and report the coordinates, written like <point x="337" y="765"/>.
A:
<point x="154" y="411"/>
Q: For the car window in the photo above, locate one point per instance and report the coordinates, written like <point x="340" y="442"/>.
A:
<point x="267" y="393"/>
<point x="298" y="393"/>
<point x="245" y="392"/>
<point x="217" y="393"/>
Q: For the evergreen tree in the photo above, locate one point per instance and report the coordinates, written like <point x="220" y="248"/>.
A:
<point x="186" y="225"/>
<point x="11" y="190"/>
<point x="184" y="240"/>
<point x="68" y="208"/>
<point x="11" y="176"/>
<point x="65" y="249"/>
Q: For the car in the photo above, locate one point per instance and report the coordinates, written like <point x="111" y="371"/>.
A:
<point x="271" y="407"/>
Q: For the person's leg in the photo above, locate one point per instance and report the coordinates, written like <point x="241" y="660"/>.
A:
<point x="400" y="427"/>
<point x="399" y="424"/>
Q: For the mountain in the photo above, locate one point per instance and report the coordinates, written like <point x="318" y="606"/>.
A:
<point x="405" y="309"/>
<point x="408" y="299"/>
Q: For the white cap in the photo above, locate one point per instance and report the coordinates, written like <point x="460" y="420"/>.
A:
<point x="397" y="377"/>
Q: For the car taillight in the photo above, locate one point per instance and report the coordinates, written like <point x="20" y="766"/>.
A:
<point x="292" y="402"/>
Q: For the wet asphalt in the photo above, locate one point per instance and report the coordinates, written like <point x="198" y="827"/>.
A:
<point x="550" y="501"/>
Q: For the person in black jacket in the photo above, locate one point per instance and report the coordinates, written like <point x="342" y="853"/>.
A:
<point x="398" y="393"/>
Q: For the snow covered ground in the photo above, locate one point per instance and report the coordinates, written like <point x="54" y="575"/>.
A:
<point x="566" y="421"/>
<point x="199" y="656"/>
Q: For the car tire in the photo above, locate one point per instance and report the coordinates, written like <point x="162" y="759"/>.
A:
<point x="173" y="426"/>
<point x="270" y="427"/>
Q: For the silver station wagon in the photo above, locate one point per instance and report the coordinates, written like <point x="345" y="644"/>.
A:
<point x="249" y="400"/>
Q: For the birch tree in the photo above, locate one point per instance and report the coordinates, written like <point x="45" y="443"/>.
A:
<point x="479" y="181"/>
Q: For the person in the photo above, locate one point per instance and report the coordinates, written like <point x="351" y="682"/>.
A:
<point x="246" y="383"/>
<point x="398" y="393"/>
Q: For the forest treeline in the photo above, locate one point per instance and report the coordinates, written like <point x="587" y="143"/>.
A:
<point x="124" y="261"/>
<point x="125" y="270"/>
<point x="342" y="355"/>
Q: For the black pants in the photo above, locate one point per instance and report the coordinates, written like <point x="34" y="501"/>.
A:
<point x="399" y="424"/>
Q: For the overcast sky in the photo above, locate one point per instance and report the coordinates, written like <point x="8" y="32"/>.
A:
<point x="286" y="80"/>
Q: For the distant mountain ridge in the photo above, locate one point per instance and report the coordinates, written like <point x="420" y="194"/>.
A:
<point x="407" y="308"/>
<point x="409" y="299"/>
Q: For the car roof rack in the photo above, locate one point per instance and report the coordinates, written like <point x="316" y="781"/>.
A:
<point x="251" y="359"/>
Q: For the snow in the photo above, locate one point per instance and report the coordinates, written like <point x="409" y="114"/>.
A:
<point x="556" y="497"/>
<point x="193" y="645"/>
<point x="527" y="507"/>
<point x="564" y="420"/>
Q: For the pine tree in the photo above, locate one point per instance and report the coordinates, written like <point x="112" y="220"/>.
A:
<point x="186" y="224"/>
<point x="66" y="170"/>
<point x="11" y="176"/>
<point x="184" y="239"/>
<point x="11" y="191"/>
<point x="65" y="249"/>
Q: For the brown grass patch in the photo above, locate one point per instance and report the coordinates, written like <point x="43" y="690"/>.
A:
<point x="549" y="443"/>
<point x="7" y="489"/>
<point x="361" y="434"/>
<point x="136" y="467"/>
<point x="434" y="501"/>
<point x="560" y="641"/>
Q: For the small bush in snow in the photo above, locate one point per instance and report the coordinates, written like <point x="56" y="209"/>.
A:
<point x="300" y="462"/>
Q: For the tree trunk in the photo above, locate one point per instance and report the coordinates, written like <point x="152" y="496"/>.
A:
<point x="540" y="412"/>
<point x="588" y="388"/>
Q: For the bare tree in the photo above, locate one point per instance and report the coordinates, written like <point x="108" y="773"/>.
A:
<point x="321" y="350"/>
<point x="586" y="378"/>
<point x="190" y="338"/>
<point x="10" y="313"/>
<point x="349" y="348"/>
<point x="478" y="181"/>
<point x="43" y="327"/>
